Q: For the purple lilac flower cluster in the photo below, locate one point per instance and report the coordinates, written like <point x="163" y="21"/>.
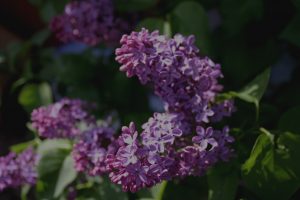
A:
<point x="90" y="22"/>
<point x="17" y="170"/>
<point x="163" y="153"/>
<point x="61" y="119"/>
<point x="188" y="84"/>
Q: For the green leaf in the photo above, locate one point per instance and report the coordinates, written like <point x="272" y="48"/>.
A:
<point x="254" y="91"/>
<point x="52" y="145"/>
<point x="237" y="13"/>
<point x="35" y="95"/>
<point x="272" y="172"/>
<point x="107" y="191"/>
<point x="158" y="190"/>
<point x="290" y="120"/>
<point x="190" y="18"/>
<point x="40" y="37"/>
<point x="292" y="32"/>
<point x="223" y="181"/>
<point x="18" y="148"/>
<point x="66" y="176"/>
<point x="134" y="5"/>
<point x="52" y="156"/>
<point x="153" y="24"/>
<point x="24" y="191"/>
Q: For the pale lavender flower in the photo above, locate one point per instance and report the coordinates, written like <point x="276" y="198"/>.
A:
<point x="161" y="130"/>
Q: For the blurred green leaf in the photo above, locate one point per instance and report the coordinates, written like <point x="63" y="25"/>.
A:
<point x="191" y="188"/>
<point x="48" y="8"/>
<point x="272" y="172"/>
<point x="35" y="95"/>
<point x="190" y="18"/>
<point x="52" y="156"/>
<point x="108" y="191"/>
<point x="292" y="32"/>
<point x="17" y="54"/>
<point x="134" y="5"/>
<point x="66" y="176"/>
<point x="237" y="13"/>
<point x="48" y="11"/>
<point x="158" y="190"/>
<point x="53" y="145"/>
<point x="153" y="24"/>
<point x="296" y="3"/>
<point x="290" y="120"/>
<point x="223" y="182"/>
<point x="18" y="148"/>
<point x="24" y="191"/>
<point x="40" y="37"/>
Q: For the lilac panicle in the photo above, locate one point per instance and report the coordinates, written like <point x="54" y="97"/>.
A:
<point x="186" y="82"/>
<point x="61" y="119"/>
<point x="88" y="21"/>
<point x="17" y="170"/>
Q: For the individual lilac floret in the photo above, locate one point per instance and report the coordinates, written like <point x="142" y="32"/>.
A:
<point x="17" y="170"/>
<point x="88" y="21"/>
<point x="161" y="130"/>
<point x="184" y="81"/>
<point x="90" y="151"/>
<point x="223" y="109"/>
<point x="61" y="119"/>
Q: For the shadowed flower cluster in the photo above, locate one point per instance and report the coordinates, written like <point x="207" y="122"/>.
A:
<point x="17" y="170"/>
<point x="61" y="120"/>
<point x="90" y="22"/>
<point x="90" y="151"/>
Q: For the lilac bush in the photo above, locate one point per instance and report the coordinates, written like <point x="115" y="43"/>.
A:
<point x="177" y="143"/>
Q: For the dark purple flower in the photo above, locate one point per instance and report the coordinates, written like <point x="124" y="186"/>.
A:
<point x="90" y="22"/>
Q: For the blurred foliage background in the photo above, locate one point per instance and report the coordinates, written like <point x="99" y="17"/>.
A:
<point x="247" y="37"/>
